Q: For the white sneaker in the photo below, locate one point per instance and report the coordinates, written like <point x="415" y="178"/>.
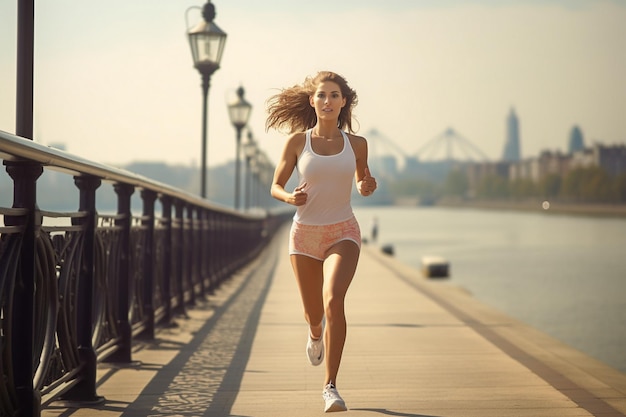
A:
<point x="315" y="350"/>
<point x="332" y="399"/>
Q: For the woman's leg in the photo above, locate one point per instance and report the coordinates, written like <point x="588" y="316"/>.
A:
<point x="342" y="262"/>
<point x="309" y="274"/>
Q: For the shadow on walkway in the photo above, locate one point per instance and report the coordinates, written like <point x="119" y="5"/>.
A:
<point x="203" y="379"/>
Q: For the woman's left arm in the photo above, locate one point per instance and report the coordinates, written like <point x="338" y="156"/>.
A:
<point x="365" y="183"/>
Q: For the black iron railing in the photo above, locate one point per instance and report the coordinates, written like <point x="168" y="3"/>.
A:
<point x="76" y="292"/>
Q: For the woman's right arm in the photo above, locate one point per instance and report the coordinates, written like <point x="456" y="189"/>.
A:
<point x="284" y="169"/>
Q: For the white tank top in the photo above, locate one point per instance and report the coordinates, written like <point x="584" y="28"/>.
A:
<point x="329" y="184"/>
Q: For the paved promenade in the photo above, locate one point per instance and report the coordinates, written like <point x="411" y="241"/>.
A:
<point x="415" y="348"/>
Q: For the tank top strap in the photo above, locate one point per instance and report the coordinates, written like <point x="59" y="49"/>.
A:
<point x="346" y="140"/>
<point x="347" y="146"/>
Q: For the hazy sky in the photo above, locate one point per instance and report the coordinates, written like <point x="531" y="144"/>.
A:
<point x="114" y="80"/>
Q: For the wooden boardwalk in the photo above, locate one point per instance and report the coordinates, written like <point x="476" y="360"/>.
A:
<point x="415" y="348"/>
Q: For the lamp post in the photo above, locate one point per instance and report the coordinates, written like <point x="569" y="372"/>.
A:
<point x="239" y="112"/>
<point x="250" y="150"/>
<point x="25" y="71"/>
<point x="254" y="174"/>
<point x="207" y="45"/>
<point x="264" y="175"/>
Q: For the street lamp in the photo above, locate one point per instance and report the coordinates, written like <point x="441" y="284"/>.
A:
<point x="207" y="45"/>
<point x="239" y="112"/>
<point x="264" y="173"/>
<point x="254" y="174"/>
<point x="249" y="150"/>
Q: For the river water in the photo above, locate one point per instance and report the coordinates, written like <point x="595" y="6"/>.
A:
<point x="564" y="275"/>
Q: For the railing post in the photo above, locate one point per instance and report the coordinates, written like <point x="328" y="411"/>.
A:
<point x="148" y="197"/>
<point x="85" y="390"/>
<point x="25" y="175"/>
<point x="123" y="354"/>
<point x="179" y="253"/>
<point x="211" y="248"/>
<point x="203" y="252"/>
<point x="190" y="250"/>
<point x="220" y="242"/>
<point x="166" y="202"/>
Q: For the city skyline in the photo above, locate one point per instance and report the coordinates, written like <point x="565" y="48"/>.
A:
<point x="119" y="86"/>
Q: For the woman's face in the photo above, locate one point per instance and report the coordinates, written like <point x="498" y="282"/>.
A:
<point x="327" y="100"/>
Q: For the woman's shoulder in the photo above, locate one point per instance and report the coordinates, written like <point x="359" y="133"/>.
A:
<point x="297" y="138"/>
<point x="296" y="141"/>
<point x="357" y="141"/>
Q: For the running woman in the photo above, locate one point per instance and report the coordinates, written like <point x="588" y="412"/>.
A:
<point x="317" y="114"/>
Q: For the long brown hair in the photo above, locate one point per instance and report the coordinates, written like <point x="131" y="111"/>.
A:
<point x="291" y="111"/>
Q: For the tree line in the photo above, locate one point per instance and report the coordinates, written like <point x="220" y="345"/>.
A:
<point x="579" y="185"/>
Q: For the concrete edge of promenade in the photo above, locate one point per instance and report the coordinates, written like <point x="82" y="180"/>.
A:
<point x="561" y="365"/>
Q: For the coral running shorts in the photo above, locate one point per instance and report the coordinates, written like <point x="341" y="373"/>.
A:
<point x="316" y="240"/>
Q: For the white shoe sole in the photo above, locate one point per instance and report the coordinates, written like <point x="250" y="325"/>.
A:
<point x="336" y="406"/>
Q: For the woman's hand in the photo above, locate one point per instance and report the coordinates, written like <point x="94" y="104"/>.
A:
<point x="367" y="185"/>
<point x="298" y="197"/>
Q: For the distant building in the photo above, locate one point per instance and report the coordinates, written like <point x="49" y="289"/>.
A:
<point x="583" y="158"/>
<point x="476" y="172"/>
<point x="537" y="168"/>
<point x="385" y="166"/>
<point x="550" y="163"/>
<point x="411" y="165"/>
<point x="611" y="159"/>
<point x="523" y="170"/>
<point x="512" y="146"/>
<point x="576" y="142"/>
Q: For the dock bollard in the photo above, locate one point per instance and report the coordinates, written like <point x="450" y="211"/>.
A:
<point x="435" y="267"/>
<point x="387" y="249"/>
